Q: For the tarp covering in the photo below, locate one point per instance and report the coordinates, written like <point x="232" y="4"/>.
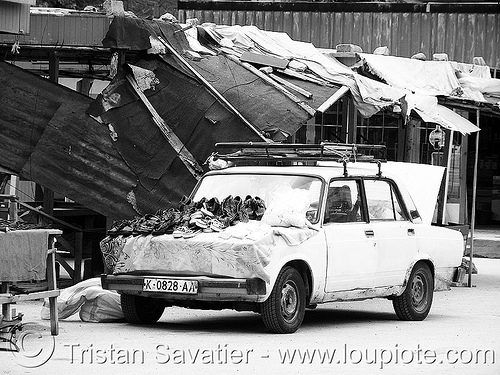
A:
<point x="242" y="251"/>
<point x="416" y="76"/>
<point x="237" y="39"/>
<point x="421" y="82"/>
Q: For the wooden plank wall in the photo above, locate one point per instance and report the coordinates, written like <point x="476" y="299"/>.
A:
<point x="14" y="18"/>
<point x="461" y="34"/>
<point x="72" y="29"/>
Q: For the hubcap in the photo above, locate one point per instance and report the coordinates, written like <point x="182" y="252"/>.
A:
<point x="419" y="292"/>
<point x="289" y="301"/>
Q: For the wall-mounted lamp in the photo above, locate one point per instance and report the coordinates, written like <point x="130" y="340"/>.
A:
<point x="437" y="137"/>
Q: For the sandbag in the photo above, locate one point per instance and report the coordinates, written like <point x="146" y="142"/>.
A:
<point x="99" y="305"/>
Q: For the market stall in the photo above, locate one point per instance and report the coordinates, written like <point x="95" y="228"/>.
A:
<point x="27" y="255"/>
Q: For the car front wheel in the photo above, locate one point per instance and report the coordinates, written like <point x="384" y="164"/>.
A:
<point x="283" y="311"/>
<point x="415" y="302"/>
<point x="141" y="310"/>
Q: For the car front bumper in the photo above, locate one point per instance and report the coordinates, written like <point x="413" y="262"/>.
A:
<point x="209" y="288"/>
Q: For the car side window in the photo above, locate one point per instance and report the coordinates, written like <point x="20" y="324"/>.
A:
<point x="382" y="201"/>
<point x="343" y="202"/>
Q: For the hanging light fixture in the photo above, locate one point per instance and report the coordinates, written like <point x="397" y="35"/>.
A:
<point x="437" y="137"/>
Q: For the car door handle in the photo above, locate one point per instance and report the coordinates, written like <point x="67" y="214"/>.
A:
<point x="369" y="233"/>
<point x="411" y="232"/>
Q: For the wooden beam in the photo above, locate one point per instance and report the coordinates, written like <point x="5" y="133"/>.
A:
<point x="332" y="99"/>
<point x="291" y="86"/>
<point x="31" y="208"/>
<point x="304" y="76"/>
<point x="306" y="107"/>
<point x="264" y="60"/>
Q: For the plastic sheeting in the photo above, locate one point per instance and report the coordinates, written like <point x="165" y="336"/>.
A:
<point x="429" y="110"/>
<point x="415" y="76"/>
<point x="423" y="81"/>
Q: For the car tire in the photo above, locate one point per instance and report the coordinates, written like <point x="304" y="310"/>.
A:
<point x="284" y="310"/>
<point x="141" y="310"/>
<point x="415" y="302"/>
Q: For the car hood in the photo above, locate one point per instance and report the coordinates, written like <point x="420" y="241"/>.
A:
<point x="422" y="181"/>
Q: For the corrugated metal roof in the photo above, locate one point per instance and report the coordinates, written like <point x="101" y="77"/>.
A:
<point x="45" y="137"/>
<point x="462" y="31"/>
<point x="65" y="28"/>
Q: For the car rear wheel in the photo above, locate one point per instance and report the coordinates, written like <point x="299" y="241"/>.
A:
<point x="415" y="302"/>
<point x="283" y="311"/>
<point x="141" y="310"/>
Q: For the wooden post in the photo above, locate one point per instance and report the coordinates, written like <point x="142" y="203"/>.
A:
<point x="52" y="285"/>
<point x="402" y="136"/>
<point x="77" y="269"/>
<point x="54" y="67"/>
<point x="448" y="151"/>
<point x="6" y="312"/>
<point x="414" y="155"/>
<point x="84" y="85"/>
<point x="463" y="216"/>
<point x="310" y="133"/>
<point x="411" y="143"/>
<point x="345" y="121"/>
<point x="13" y="211"/>
<point x="443" y="193"/>
<point x="352" y="122"/>
<point x="48" y="195"/>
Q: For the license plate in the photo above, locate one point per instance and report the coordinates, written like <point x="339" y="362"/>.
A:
<point x="170" y="285"/>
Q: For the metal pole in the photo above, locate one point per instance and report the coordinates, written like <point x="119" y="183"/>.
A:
<point x="474" y="195"/>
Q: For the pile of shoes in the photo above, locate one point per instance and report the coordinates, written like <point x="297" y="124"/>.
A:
<point x="191" y="218"/>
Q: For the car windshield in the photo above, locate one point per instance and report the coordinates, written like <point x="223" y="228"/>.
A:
<point x="262" y="186"/>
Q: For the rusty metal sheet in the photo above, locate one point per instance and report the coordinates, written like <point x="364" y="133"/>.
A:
<point x="46" y="137"/>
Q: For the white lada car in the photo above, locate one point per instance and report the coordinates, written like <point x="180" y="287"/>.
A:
<point x="359" y="236"/>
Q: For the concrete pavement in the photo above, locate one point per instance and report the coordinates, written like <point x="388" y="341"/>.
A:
<point x="460" y="336"/>
<point x="487" y="242"/>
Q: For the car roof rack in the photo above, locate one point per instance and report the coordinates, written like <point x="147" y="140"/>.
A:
<point x="263" y="153"/>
